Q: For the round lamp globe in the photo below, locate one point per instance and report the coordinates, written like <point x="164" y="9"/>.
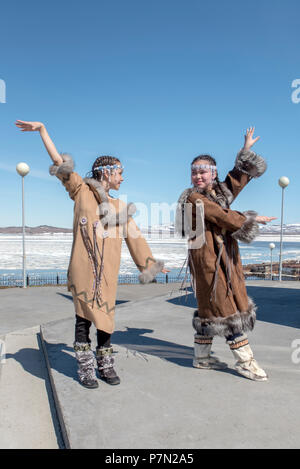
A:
<point x="283" y="181"/>
<point x="22" y="169"/>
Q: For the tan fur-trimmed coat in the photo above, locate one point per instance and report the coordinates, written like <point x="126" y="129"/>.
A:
<point x="100" y="224"/>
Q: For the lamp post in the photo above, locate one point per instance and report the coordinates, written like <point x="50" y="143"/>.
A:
<point x="271" y="246"/>
<point x="283" y="182"/>
<point x="23" y="169"/>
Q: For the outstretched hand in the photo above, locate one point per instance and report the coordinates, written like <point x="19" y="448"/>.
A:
<point x="165" y="271"/>
<point x="26" y="126"/>
<point x="264" y="220"/>
<point x="249" y="140"/>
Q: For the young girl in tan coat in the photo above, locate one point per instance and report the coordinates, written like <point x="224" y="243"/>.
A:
<point x="100" y="224"/>
<point x="204" y="216"/>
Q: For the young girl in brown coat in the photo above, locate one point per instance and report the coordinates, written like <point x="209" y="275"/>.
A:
<point x="204" y="216"/>
<point x="100" y="224"/>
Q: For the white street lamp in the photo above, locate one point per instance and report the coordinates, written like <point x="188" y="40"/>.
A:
<point x="283" y="182"/>
<point x="271" y="246"/>
<point x="23" y="169"/>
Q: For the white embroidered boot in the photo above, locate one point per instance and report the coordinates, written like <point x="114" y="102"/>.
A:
<point x="202" y="356"/>
<point x="246" y="365"/>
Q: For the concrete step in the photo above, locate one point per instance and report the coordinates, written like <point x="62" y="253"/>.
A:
<point x="28" y="414"/>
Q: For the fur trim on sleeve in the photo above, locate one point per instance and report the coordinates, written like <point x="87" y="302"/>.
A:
<point x="149" y="274"/>
<point x="249" y="230"/>
<point x="65" y="169"/>
<point x="250" y="163"/>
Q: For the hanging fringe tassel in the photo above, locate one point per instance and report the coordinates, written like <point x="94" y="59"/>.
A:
<point x="92" y="250"/>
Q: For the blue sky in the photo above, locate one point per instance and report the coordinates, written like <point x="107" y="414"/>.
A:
<point x="154" y="83"/>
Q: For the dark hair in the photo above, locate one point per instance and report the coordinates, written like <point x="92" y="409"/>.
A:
<point x="208" y="158"/>
<point x="103" y="161"/>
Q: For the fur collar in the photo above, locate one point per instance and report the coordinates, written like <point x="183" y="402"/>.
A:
<point x="219" y="194"/>
<point x="97" y="189"/>
<point x="106" y="212"/>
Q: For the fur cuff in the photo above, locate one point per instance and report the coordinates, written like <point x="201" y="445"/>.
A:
<point x="250" y="163"/>
<point x="237" y="323"/>
<point x="149" y="274"/>
<point x="65" y="169"/>
<point x="249" y="230"/>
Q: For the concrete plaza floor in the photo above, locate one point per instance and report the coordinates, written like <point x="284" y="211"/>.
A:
<point x="162" y="401"/>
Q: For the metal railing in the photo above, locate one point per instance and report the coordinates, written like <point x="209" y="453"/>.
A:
<point x="35" y="280"/>
<point x="61" y="279"/>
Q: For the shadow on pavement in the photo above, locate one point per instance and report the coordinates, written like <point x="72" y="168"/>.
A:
<point x="64" y="362"/>
<point x="275" y="305"/>
<point x="135" y="341"/>
<point x="62" y="357"/>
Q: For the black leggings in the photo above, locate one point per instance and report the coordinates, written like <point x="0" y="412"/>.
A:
<point x="82" y="333"/>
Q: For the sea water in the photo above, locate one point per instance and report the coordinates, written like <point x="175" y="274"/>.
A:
<point x="48" y="253"/>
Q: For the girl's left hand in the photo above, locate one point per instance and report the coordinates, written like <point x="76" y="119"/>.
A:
<point x="165" y="271"/>
<point x="249" y="140"/>
<point x="264" y="220"/>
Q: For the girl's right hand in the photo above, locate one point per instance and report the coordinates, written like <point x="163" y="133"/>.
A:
<point x="29" y="126"/>
<point x="264" y="220"/>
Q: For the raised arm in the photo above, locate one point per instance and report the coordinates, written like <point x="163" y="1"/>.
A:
<point x="26" y="126"/>
<point x="248" y="165"/>
<point x="63" y="165"/>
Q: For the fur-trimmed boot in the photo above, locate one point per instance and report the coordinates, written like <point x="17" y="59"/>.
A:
<point x="86" y="365"/>
<point x="246" y="365"/>
<point x="105" y="362"/>
<point x="202" y="356"/>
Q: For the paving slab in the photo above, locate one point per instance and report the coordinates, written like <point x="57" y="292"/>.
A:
<point x="162" y="402"/>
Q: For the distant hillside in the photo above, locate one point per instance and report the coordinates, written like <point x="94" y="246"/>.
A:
<point x="34" y="230"/>
<point x="288" y="229"/>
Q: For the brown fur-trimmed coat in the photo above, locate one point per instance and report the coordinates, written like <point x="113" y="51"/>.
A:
<point x="224" y="307"/>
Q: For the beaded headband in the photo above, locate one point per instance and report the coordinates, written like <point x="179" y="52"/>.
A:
<point x="197" y="167"/>
<point x="109" y="167"/>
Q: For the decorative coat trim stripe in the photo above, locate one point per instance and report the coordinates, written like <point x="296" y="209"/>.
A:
<point x="85" y="299"/>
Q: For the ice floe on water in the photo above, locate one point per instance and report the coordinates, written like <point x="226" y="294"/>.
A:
<point x="52" y="252"/>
